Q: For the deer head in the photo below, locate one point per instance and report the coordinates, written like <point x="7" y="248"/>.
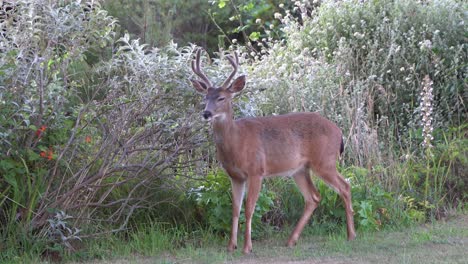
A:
<point x="217" y="98"/>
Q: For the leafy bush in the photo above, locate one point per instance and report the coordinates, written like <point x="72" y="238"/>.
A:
<point x="451" y="160"/>
<point x="213" y="197"/>
<point x="373" y="206"/>
<point x="158" y="23"/>
<point x="387" y="72"/>
<point x="97" y="142"/>
<point x="38" y="104"/>
<point x="362" y="63"/>
<point x="392" y="45"/>
<point x="248" y="21"/>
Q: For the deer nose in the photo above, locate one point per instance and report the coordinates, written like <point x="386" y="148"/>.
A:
<point x="207" y="115"/>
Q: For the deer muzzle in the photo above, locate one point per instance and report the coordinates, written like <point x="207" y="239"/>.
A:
<point x="207" y="115"/>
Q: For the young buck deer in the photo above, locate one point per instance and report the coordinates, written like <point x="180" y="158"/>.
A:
<point x="251" y="149"/>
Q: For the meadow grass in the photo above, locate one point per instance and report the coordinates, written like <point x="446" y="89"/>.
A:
<point x="433" y="242"/>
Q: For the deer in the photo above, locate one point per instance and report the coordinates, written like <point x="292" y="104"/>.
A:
<point x="254" y="148"/>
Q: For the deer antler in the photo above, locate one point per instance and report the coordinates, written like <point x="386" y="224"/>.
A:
<point x="197" y="70"/>
<point x="235" y="63"/>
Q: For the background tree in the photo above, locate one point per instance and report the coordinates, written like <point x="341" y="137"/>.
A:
<point x="157" y="23"/>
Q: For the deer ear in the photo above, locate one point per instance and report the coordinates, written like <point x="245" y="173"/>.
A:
<point x="199" y="86"/>
<point x="237" y="85"/>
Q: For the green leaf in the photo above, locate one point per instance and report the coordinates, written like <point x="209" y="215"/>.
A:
<point x="11" y="179"/>
<point x="248" y="6"/>
<point x="254" y="36"/>
<point x="33" y="155"/>
<point x="222" y="4"/>
<point x="6" y="164"/>
<point x="49" y="63"/>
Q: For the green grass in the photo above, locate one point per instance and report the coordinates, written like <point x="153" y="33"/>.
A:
<point x="438" y="242"/>
<point x="432" y="243"/>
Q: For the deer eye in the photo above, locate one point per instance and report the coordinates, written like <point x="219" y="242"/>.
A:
<point x="221" y="99"/>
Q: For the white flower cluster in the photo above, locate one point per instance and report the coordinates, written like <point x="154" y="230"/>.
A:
<point x="426" y="111"/>
<point x="425" y="45"/>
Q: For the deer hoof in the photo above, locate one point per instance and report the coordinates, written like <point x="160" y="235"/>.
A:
<point x="231" y="248"/>
<point x="291" y="243"/>
<point x="247" y="251"/>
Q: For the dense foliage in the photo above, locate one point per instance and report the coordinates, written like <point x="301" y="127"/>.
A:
<point x="388" y="73"/>
<point x="95" y="141"/>
<point x="100" y="132"/>
<point x="158" y="23"/>
<point x="214" y="25"/>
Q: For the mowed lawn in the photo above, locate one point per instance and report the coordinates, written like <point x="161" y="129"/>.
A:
<point x="445" y="241"/>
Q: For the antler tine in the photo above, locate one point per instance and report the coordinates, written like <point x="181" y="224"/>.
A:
<point x="235" y="63"/>
<point x="197" y="69"/>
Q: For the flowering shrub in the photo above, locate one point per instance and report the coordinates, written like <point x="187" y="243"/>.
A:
<point x="41" y="42"/>
<point x="114" y="134"/>
<point x="376" y="68"/>
<point x="361" y="64"/>
<point x="426" y="112"/>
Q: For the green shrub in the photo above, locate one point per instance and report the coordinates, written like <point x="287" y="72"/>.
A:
<point x="158" y="23"/>
<point x="99" y="144"/>
<point x="374" y="207"/>
<point x="389" y="73"/>
<point x="214" y="200"/>
<point x="392" y="45"/>
<point x="38" y="108"/>
<point x="362" y="64"/>
<point x="288" y="204"/>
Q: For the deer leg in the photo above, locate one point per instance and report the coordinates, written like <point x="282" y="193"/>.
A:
<point x="238" y="188"/>
<point x="255" y="184"/>
<point x="343" y="188"/>
<point x="311" y="198"/>
<point x="345" y="194"/>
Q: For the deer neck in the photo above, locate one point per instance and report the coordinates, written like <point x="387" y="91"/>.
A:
<point x="224" y="130"/>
